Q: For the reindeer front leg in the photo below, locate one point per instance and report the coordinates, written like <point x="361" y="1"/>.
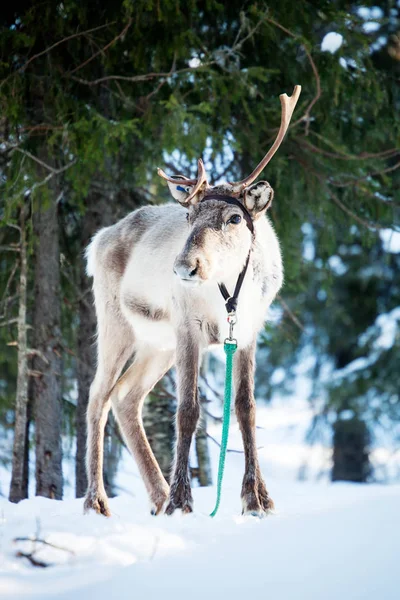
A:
<point x="255" y="498"/>
<point x="187" y="366"/>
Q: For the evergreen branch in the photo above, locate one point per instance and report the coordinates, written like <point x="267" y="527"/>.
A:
<point x="9" y="249"/>
<point x="345" y="209"/>
<point x="36" y="159"/>
<point x="102" y="50"/>
<point x="318" y="92"/>
<point x="50" y="48"/>
<point x="41" y="127"/>
<point x="292" y="316"/>
<point x="162" y="82"/>
<point x="8" y="322"/>
<point x="238" y="43"/>
<point x="140" y="78"/>
<point x="344" y="156"/>
<point x="364" y="155"/>
<point x="373" y="194"/>
<point x="45" y="180"/>
<point x="163" y="75"/>
<point x="335" y="199"/>
<point x="343" y="184"/>
<point x="81" y="295"/>
<point x="14" y="226"/>
<point x="18" y="174"/>
<point x="4" y="297"/>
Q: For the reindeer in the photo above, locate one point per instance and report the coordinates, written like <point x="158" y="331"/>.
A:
<point x="161" y="281"/>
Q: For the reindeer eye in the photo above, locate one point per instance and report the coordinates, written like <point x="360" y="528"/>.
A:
<point x="235" y="219"/>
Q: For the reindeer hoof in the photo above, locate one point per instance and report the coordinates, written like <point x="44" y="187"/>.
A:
<point x="158" y="500"/>
<point x="260" y="512"/>
<point x="97" y="502"/>
<point x="180" y="497"/>
<point x="185" y="508"/>
<point x="256" y="501"/>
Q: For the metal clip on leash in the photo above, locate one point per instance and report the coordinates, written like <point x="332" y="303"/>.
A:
<point x="232" y="320"/>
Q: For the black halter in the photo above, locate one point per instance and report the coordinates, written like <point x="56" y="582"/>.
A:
<point x="231" y="301"/>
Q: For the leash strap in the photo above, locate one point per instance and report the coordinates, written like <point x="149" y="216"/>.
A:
<point x="230" y="349"/>
<point x="231" y="301"/>
<point x="230" y="344"/>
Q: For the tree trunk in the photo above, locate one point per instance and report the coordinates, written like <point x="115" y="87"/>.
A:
<point x="112" y="454"/>
<point x="47" y="313"/>
<point x="351" y="441"/>
<point x="19" y="480"/>
<point x="203" y="456"/>
<point x="202" y="453"/>
<point x="99" y="213"/>
<point x="25" y="485"/>
<point x="85" y="372"/>
<point x="158" y="421"/>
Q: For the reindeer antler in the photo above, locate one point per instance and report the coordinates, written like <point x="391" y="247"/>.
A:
<point x="181" y="179"/>
<point x="287" y="105"/>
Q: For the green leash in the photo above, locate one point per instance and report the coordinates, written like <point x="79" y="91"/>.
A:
<point x="230" y="347"/>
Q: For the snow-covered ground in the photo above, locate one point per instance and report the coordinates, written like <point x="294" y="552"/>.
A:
<point x="325" y="541"/>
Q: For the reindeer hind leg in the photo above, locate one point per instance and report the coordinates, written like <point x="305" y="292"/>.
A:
<point x="127" y="400"/>
<point x="115" y="347"/>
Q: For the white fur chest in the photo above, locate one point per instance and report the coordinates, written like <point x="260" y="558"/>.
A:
<point x="207" y="310"/>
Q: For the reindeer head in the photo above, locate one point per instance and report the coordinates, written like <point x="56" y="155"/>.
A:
<point x="220" y="217"/>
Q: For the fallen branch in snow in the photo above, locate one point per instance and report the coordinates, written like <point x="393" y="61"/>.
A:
<point x="37" y="540"/>
<point x="34" y="541"/>
<point x="31" y="555"/>
<point x="32" y="559"/>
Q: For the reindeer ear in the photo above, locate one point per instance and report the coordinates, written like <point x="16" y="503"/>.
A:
<point x="179" y="191"/>
<point x="257" y="198"/>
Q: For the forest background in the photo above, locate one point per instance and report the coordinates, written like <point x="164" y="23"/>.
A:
<point x="93" y="98"/>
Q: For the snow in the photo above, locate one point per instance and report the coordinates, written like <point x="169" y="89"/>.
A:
<point x="373" y="12"/>
<point x="325" y="540"/>
<point x="331" y="42"/>
<point x="388" y="324"/>
<point x="390" y="240"/>
<point x="371" y="26"/>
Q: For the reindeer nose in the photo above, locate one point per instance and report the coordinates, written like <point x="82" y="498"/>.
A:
<point x="186" y="270"/>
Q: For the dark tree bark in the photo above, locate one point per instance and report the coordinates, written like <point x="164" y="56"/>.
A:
<point x="47" y="314"/>
<point x="202" y="453"/>
<point x="25" y="474"/>
<point x="203" y="471"/>
<point x="99" y="213"/>
<point x="351" y="441"/>
<point x="158" y="420"/>
<point x="112" y="454"/>
<point x="19" y="479"/>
